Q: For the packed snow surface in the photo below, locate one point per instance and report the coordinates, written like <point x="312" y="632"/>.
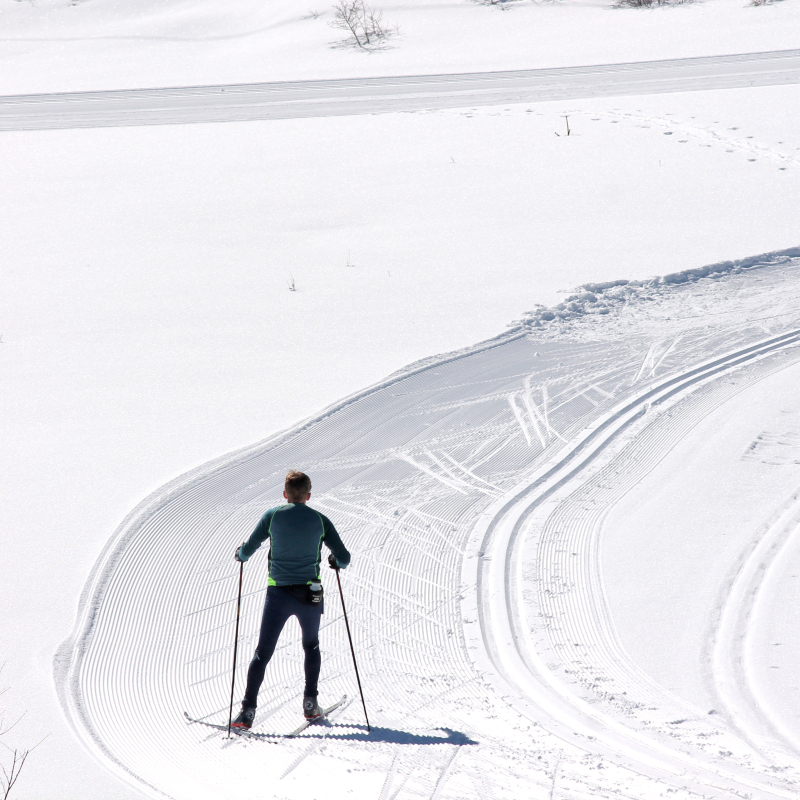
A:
<point x="574" y="543"/>
<point x="290" y="100"/>
<point x="62" y="45"/>
<point x="148" y="327"/>
<point x="478" y="492"/>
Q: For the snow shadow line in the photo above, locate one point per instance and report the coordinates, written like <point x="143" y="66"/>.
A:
<point x="392" y="736"/>
<point x="388" y="735"/>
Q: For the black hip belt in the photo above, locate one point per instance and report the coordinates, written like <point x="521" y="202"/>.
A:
<point x="308" y="593"/>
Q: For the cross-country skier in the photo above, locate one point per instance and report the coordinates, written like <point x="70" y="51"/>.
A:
<point x="296" y="533"/>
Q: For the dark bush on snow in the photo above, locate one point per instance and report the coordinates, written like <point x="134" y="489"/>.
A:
<point x="648" y="3"/>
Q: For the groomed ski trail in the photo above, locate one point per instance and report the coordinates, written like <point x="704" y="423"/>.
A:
<point x="570" y="591"/>
<point x="447" y="623"/>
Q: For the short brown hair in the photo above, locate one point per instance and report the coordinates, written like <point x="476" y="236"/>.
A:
<point x="297" y="486"/>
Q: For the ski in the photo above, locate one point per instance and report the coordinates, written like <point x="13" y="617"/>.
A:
<point x="306" y="723"/>
<point x="266" y="737"/>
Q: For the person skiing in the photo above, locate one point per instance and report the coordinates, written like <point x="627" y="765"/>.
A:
<point x="296" y="533"/>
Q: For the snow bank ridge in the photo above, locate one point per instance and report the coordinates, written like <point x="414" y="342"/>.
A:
<point x="602" y="298"/>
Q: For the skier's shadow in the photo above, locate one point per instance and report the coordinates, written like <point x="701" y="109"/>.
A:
<point x="359" y="733"/>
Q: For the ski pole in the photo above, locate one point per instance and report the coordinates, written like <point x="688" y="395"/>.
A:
<point x="352" y="650"/>
<point x="235" y="645"/>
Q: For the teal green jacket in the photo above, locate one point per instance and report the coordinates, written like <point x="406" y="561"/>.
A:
<point x="296" y="533"/>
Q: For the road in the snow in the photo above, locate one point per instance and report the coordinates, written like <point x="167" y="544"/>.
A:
<point x="291" y="99"/>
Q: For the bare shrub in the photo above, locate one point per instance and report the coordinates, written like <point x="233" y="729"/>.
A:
<point x="11" y="769"/>
<point x="648" y="3"/>
<point x="503" y="5"/>
<point x="364" y="24"/>
<point x="12" y="760"/>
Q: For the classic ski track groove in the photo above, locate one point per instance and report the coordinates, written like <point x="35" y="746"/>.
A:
<point x="737" y="691"/>
<point x="585" y="623"/>
<point x="581" y="515"/>
<point x="154" y="632"/>
<point x="292" y="99"/>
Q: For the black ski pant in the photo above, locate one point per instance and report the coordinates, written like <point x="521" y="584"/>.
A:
<point x="281" y="603"/>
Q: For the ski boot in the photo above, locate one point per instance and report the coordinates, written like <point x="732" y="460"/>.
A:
<point x="245" y="718"/>
<point x="311" y="709"/>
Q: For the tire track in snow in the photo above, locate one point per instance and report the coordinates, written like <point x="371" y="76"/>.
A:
<point x="293" y="99"/>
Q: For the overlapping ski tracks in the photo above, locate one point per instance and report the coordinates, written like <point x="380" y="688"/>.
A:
<point x="470" y="490"/>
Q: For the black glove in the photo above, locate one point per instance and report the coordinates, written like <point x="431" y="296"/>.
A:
<point x="332" y="561"/>
<point x="236" y="554"/>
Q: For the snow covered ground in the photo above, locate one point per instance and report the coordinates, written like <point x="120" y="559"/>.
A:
<point x="148" y="329"/>
<point x="62" y="45"/>
<point x="476" y="491"/>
